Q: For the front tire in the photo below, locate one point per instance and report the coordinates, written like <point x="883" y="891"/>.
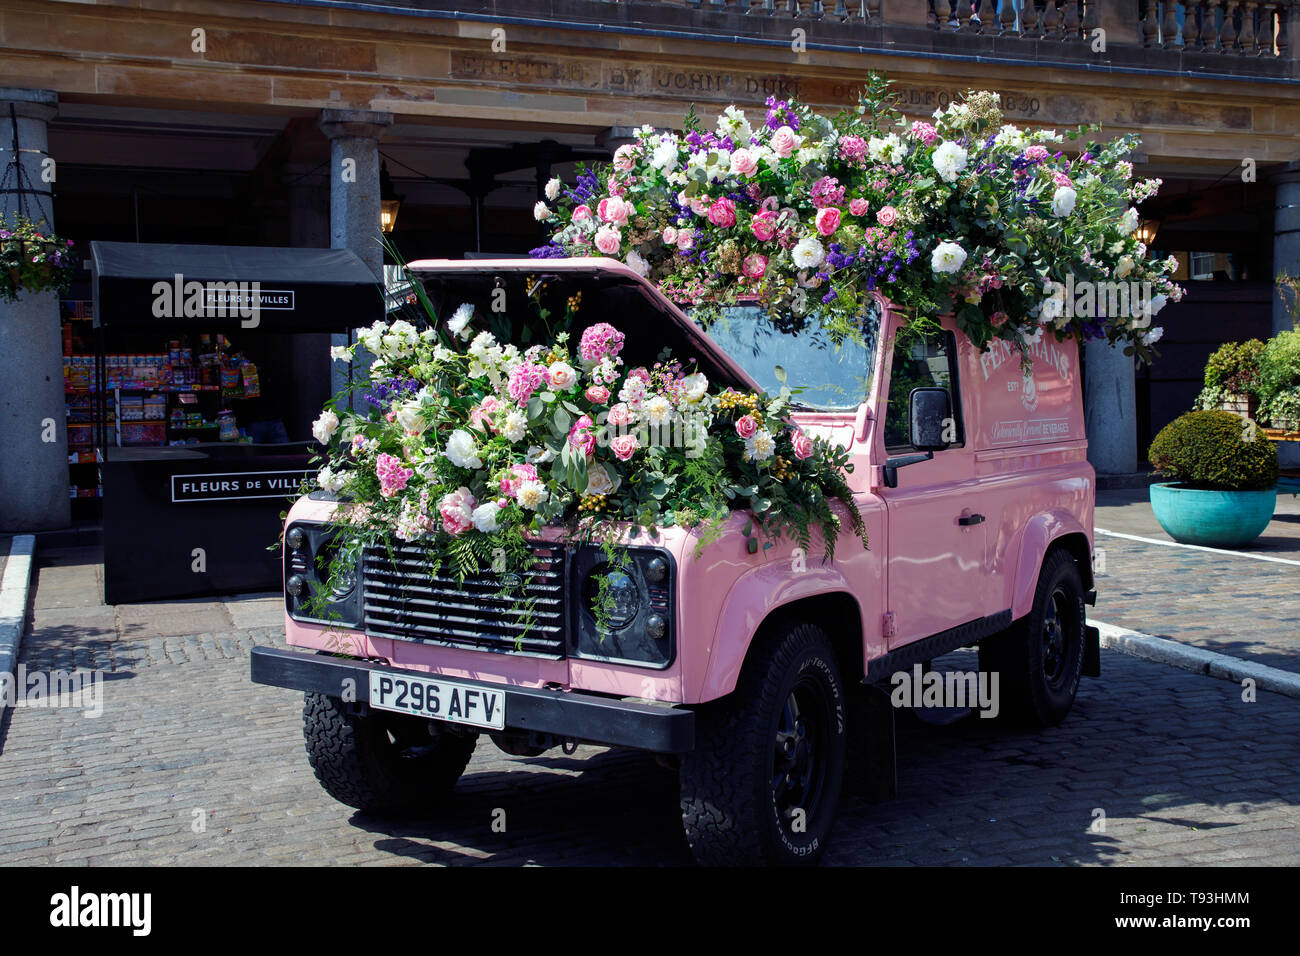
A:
<point x="1039" y="659"/>
<point x="763" y="783"/>
<point x="379" y="762"/>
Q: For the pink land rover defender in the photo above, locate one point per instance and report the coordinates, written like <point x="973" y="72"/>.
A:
<point x="764" y="677"/>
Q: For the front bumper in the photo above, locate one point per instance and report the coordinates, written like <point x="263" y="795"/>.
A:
<point x="659" y="728"/>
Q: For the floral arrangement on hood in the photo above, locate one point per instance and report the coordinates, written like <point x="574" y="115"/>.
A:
<point x="466" y="444"/>
<point x="966" y="214"/>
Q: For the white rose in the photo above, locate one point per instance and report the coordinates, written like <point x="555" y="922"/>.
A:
<point x="459" y="319"/>
<point x="949" y="160"/>
<point x="460" y="450"/>
<point x="485" y="516"/>
<point x="562" y="376"/>
<point x="695" y="387"/>
<point x="552" y="188"/>
<point x="1063" y="201"/>
<point x="409" y="417"/>
<point x="323" y="428"/>
<point x="599" y="481"/>
<point x="947" y="257"/>
<point x="541" y="212"/>
<point x="808" y="253"/>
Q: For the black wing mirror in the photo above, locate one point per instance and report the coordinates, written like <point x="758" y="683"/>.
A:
<point x="930" y="416"/>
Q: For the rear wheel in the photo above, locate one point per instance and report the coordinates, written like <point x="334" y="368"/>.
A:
<point x="763" y="782"/>
<point x="381" y="762"/>
<point x="1039" y="659"/>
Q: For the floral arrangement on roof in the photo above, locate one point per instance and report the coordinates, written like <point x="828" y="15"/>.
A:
<point x="966" y="214"/>
<point x="467" y="445"/>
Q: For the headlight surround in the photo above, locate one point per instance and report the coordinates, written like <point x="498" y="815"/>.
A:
<point x="639" y="609"/>
<point x="310" y="550"/>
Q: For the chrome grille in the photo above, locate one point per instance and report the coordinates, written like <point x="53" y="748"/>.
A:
<point x="404" y="599"/>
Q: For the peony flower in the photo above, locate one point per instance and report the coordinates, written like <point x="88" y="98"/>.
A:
<point x="949" y="160"/>
<point x="763" y="225"/>
<point x="695" y="387"/>
<point x="827" y="220"/>
<point x="485" y="516"/>
<point x="531" y="495"/>
<point x="582" y="435"/>
<point x="947" y="257"/>
<point x="664" y="154"/>
<point x="623" y="160"/>
<point x="562" y="376"/>
<point x="459" y="319"/>
<point x="323" y="428"/>
<point x="597" y="394"/>
<point x="1063" y="201"/>
<point x="743" y="163"/>
<point x="760" y="446"/>
<point x="608" y="240"/>
<point x="619" y="415"/>
<point x="541" y="211"/>
<point x="754" y="266"/>
<point x="509" y="485"/>
<point x="624" y="446"/>
<point x="581" y="212"/>
<point x="746" y="426"/>
<point x="461" y="451"/>
<point x="808" y="253"/>
<point x="859" y="207"/>
<point x="723" y="213"/>
<point x="802" y="444"/>
<point x="685" y="240"/>
<point x="785" y="142"/>
<point x="457" y="511"/>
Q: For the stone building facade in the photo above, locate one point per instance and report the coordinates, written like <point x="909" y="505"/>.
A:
<point x="226" y="121"/>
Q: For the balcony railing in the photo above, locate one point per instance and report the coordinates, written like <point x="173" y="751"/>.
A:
<point x="1246" y="38"/>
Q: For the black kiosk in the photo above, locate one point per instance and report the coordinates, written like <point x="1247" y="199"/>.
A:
<point x="211" y="364"/>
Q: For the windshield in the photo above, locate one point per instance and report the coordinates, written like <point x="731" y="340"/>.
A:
<point x="834" y="378"/>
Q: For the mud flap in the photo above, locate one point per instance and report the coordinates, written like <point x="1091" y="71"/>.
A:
<point x="1091" y="652"/>
<point x="872" y="740"/>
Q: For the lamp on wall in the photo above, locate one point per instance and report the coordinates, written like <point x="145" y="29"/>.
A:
<point x="389" y="201"/>
<point x="1146" y="231"/>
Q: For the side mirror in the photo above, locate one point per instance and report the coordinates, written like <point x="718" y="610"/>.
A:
<point x="929" y="413"/>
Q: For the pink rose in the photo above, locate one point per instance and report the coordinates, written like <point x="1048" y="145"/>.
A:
<point x="699" y="206"/>
<point x="581" y="212"/>
<point x="518" y="475"/>
<point x="670" y="235"/>
<point x="723" y="213"/>
<point x="803" y="446"/>
<point x="828" y="220"/>
<point x="619" y="415"/>
<point x="784" y="142"/>
<point x="743" y="162"/>
<point x="746" y="425"/>
<point x="859" y="207"/>
<point x="615" y="187"/>
<point x="623" y="161"/>
<point x="754" y="266"/>
<point x="887" y="215"/>
<point x="608" y="240"/>
<point x="624" y="446"/>
<point x="457" y="509"/>
<point x="614" y="210"/>
<point x="582" y="435"/>
<point x="685" y="240"/>
<point x="597" y="394"/>
<point x="763" y="226"/>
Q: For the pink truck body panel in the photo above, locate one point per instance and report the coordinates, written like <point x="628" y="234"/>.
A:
<point x="1022" y="466"/>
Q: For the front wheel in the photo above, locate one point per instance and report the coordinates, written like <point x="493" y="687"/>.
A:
<point x="763" y="783"/>
<point x="1039" y="659"/>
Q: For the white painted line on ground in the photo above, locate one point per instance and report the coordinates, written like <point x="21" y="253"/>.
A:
<point x="1211" y="663"/>
<point x="1198" y="547"/>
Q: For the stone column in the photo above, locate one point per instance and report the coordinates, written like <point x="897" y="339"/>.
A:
<point x="33" y="420"/>
<point x="1286" y="238"/>
<point x="354" y="198"/>
<point x="1110" y="409"/>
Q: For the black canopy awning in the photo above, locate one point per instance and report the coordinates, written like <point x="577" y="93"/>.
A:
<point x="271" y="288"/>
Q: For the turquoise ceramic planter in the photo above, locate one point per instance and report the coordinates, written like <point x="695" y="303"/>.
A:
<point x="1217" y="519"/>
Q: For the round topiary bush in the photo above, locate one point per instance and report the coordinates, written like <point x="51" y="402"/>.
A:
<point x="1215" y="450"/>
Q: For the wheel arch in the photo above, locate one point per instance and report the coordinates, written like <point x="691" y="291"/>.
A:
<point x="1042" y="533"/>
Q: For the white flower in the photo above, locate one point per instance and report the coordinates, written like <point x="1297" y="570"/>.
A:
<point x="1153" y="336"/>
<point x="1012" y="137"/>
<point x="1052" y="308"/>
<point x="1158" y="302"/>
<point x="637" y="263"/>
<point x="695" y="387"/>
<point x="459" y="319"/>
<point x="541" y="211"/>
<point x="947" y="257"/>
<point x="552" y="188"/>
<point x="515" y="427"/>
<point x="886" y="149"/>
<point x="599" y="481"/>
<point x="460" y="450"/>
<point x="485" y="516"/>
<point x="323" y="428"/>
<point x="664" y="154"/>
<point x="1123" y="267"/>
<point x="1033" y="338"/>
<point x="443" y="354"/>
<point x="949" y="160"/>
<point x="734" y="124"/>
<point x="1128" y="222"/>
<point x="340" y="353"/>
<point x="538" y="455"/>
<point x="759" y="446"/>
<point x="372" y="338"/>
<point x="657" y="411"/>
<point x="398" y="342"/>
<point x="332" y="481"/>
<point x="409" y="417"/>
<point x="808" y="253"/>
<point x="562" y="376"/>
<point x="1063" y="201"/>
<point x="531" y="494"/>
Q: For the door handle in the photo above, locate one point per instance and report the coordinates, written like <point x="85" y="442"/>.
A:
<point x="967" y="520"/>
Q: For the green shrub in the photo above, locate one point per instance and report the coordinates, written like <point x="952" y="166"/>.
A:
<point x="1209" y="449"/>
<point x="1235" y="367"/>
<point x="1282" y="410"/>
<point x="1279" y="366"/>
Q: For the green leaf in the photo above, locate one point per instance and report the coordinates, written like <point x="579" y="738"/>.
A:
<point x="548" y="396"/>
<point x="751" y="545"/>
<point x="561" y="420"/>
<point x="572" y="407"/>
<point x="779" y="372"/>
<point x="759" y="505"/>
<point x="748" y="529"/>
<point x="534" y="408"/>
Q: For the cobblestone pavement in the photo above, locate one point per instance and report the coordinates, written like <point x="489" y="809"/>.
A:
<point x="1183" y="770"/>
<point x="1230" y="603"/>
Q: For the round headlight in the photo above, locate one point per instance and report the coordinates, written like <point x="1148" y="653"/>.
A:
<point x="295" y="538"/>
<point x="656" y="570"/>
<point x="295" y="585"/>
<point x="615" y="604"/>
<point x="656" y="626"/>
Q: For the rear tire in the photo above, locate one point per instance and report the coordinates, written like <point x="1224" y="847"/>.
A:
<point x="379" y="762"/>
<point x="1039" y="659"/>
<point x="763" y="783"/>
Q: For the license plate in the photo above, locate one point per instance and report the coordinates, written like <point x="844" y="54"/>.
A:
<point x="439" y="699"/>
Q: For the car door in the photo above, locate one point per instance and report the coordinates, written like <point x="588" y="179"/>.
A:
<point x="936" y="536"/>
